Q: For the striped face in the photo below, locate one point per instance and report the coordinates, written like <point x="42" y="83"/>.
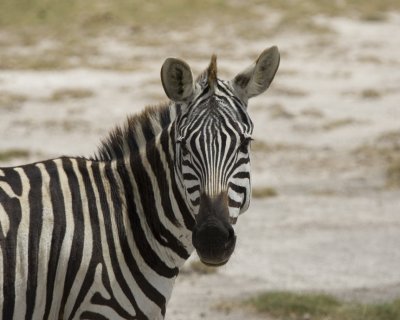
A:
<point x="213" y="143"/>
<point x="212" y="135"/>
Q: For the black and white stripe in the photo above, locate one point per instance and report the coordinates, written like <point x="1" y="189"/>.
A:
<point x="104" y="238"/>
<point x="214" y="136"/>
<point x="80" y="240"/>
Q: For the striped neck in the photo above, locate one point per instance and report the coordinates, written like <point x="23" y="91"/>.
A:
<point x="142" y="153"/>
<point x="154" y="197"/>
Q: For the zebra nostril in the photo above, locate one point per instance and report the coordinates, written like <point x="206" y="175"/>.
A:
<point x="213" y="235"/>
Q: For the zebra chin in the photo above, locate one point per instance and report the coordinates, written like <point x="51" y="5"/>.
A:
<point x="216" y="258"/>
<point x="213" y="235"/>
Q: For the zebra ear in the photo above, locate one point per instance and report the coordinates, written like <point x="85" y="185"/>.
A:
<point x="177" y="79"/>
<point x="256" y="79"/>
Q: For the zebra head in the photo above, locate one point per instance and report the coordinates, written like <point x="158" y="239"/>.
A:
<point x="212" y="135"/>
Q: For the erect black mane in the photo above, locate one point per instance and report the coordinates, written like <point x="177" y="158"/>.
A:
<point x="135" y="132"/>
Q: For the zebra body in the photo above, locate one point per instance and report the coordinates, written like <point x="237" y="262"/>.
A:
<point x="104" y="238"/>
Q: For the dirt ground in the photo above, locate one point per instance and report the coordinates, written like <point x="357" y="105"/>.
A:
<point x="325" y="135"/>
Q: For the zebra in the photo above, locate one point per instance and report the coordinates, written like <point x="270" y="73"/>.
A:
<point x="104" y="237"/>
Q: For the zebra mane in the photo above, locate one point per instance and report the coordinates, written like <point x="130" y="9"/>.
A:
<point x="209" y="75"/>
<point x="212" y="72"/>
<point x="137" y="130"/>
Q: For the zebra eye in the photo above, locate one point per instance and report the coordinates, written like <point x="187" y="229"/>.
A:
<point x="244" y="146"/>
<point x="183" y="146"/>
<point x="185" y="151"/>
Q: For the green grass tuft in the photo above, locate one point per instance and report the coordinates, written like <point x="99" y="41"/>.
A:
<point x="285" y="304"/>
<point x="314" y="306"/>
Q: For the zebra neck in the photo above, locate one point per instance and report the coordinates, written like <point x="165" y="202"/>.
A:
<point x="157" y="217"/>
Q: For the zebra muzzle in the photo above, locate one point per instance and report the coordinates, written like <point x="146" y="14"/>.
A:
<point x="213" y="236"/>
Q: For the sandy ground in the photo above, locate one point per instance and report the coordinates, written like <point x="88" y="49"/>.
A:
<point x="334" y="226"/>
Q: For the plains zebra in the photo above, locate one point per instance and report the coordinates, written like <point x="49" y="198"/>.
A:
<point x="104" y="238"/>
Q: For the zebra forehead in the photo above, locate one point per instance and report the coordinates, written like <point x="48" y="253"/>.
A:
<point x="218" y="110"/>
<point x="211" y="125"/>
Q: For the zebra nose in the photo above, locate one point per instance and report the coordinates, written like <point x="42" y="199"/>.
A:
<point x="214" y="241"/>
<point x="212" y="233"/>
<point x="213" y="236"/>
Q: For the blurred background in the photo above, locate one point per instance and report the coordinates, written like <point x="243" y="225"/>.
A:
<point x="321" y="239"/>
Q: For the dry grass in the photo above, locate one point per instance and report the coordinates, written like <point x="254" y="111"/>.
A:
<point x="369" y="58"/>
<point x="261" y="146"/>
<point x="389" y="139"/>
<point x="99" y="15"/>
<point x="278" y="111"/>
<point x="300" y="11"/>
<point x="393" y="174"/>
<point x="290" y="92"/>
<point x="10" y="154"/>
<point x="75" y="26"/>
<point x="373" y="16"/>
<point x="67" y="125"/>
<point x="11" y="101"/>
<point x="70" y="93"/>
<point x="324" y="192"/>
<point x="338" y="123"/>
<point x="384" y="151"/>
<point x="370" y="94"/>
<point x="77" y="19"/>
<point x="385" y="148"/>
<point x="264" y="147"/>
<point x="264" y="192"/>
<point x="312" y="113"/>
